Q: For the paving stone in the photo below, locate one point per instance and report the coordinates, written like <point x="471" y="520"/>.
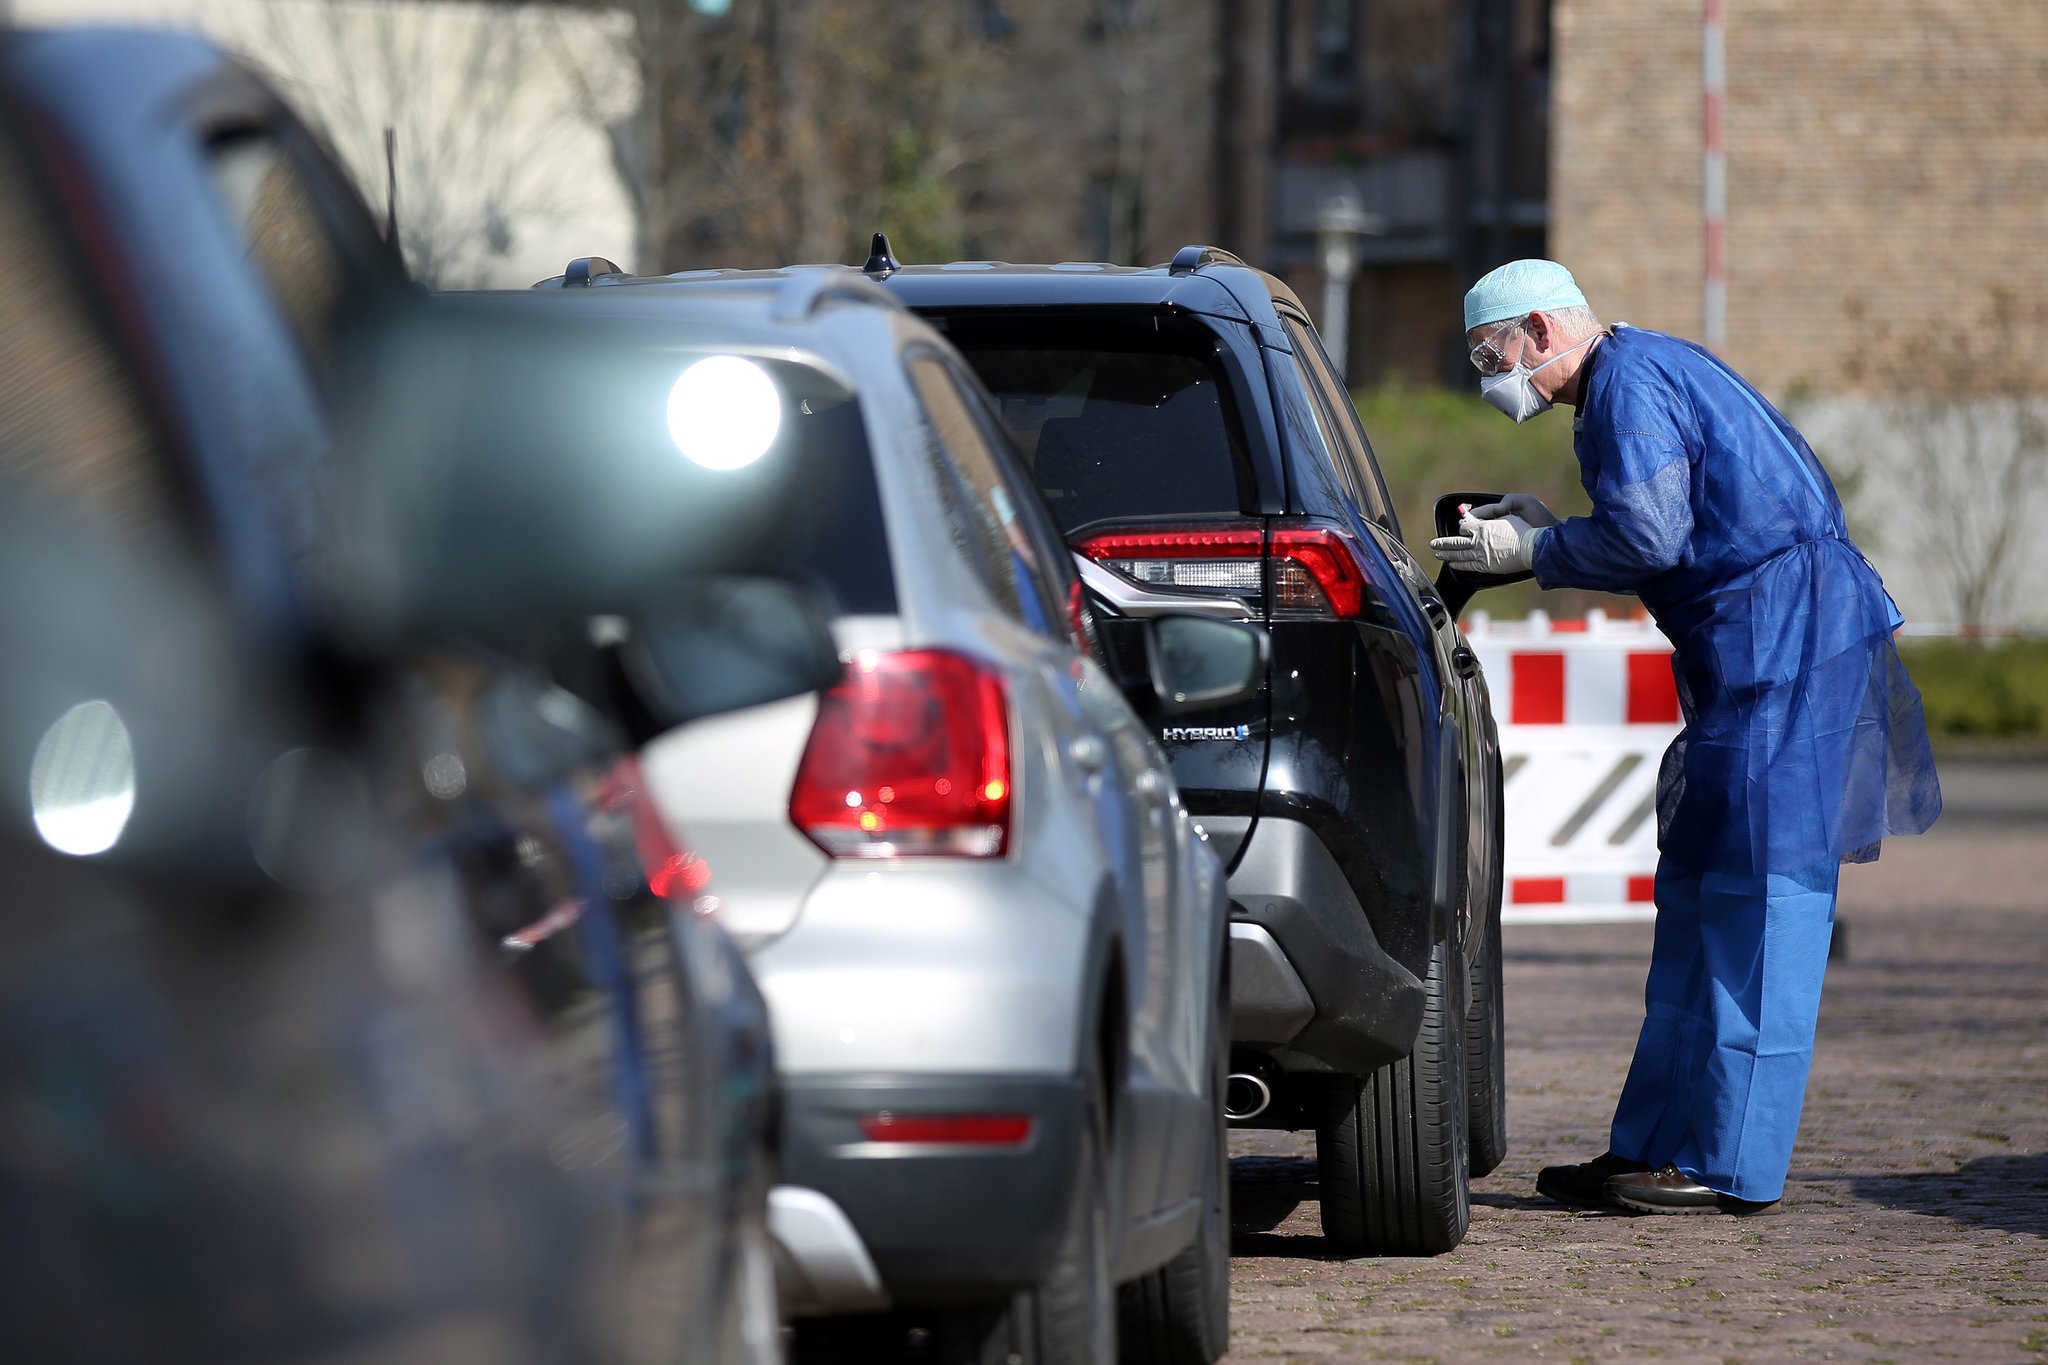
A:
<point x="1915" y="1224"/>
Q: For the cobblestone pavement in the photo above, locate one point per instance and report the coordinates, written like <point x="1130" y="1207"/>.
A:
<point x="1916" y="1219"/>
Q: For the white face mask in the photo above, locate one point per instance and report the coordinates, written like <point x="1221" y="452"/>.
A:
<point x="1513" y="390"/>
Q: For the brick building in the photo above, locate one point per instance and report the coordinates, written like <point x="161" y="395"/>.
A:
<point x="1431" y="116"/>
<point x="1887" y="166"/>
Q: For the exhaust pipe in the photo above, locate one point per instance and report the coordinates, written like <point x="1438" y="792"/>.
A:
<point x="1245" y="1096"/>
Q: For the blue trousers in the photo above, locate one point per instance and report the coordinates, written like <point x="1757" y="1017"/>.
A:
<point x="1731" y="1005"/>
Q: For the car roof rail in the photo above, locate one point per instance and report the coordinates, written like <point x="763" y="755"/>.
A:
<point x="809" y="286"/>
<point x="1191" y="258"/>
<point x="587" y="270"/>
<point x="882" y="262"/>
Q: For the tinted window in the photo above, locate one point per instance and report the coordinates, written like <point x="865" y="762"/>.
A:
<point x="549" y="437"/>
<point x="1117" y="418"/>
<point x="986" y="510"/>
<point x="828" y="526"/>
<point x="1345" y="434"/>
<point x="836" y="535"/>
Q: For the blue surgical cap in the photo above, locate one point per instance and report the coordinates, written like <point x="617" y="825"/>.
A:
<point x="1518" y="289"/>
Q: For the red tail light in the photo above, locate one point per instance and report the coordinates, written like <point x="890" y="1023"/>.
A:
<point x="673" y="872"/>
<point x="910" y="756"/>
<point x="966" y="1130"/>
<point x="1315" y="569"/>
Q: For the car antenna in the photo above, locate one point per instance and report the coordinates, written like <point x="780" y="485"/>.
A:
<point x="391" y="186"/>
<point x="882" y="262"/>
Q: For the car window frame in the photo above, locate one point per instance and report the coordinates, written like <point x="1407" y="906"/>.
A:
<point x="994" y="442"/>
<point x="156" y="492"/>
<point x="362" y="263"/>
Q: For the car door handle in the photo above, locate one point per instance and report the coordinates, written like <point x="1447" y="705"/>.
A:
<point x="1088" y="754"/>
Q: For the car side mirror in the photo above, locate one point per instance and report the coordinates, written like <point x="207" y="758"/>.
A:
<point x="1198" y="662"/>
<point x="1457" y="586"/>
<point x="726" y="642"/>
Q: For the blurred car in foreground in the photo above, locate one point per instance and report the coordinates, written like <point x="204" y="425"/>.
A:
<point x="338" y="1017"/>
<point x="990" y="937"/>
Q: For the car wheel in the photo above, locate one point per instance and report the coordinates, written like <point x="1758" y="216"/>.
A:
<point x="1179" y="1314"/>
<point x="1486" y="1055"/>
<point x="1071" y="1316"/>
<point x="1391" y="1156"/>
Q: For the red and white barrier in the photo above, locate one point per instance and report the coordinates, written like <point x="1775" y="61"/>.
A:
<point x="1585" y="711"/>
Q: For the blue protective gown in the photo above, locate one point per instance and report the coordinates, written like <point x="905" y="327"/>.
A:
<point x="1803" y="744"/>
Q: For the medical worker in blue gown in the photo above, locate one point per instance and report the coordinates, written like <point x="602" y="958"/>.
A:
<point x="1803" y="744"/>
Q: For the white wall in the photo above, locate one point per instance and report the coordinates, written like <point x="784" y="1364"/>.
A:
<point x="1929" y="488"/>
<point x="505" y="167"/>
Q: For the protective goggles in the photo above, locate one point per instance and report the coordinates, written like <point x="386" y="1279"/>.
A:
<point x="1488" y="357"/>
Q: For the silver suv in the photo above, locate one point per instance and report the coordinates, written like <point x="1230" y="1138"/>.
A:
<point x="991" y="939"/>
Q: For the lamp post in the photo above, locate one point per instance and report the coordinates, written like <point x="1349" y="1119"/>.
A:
<point x="1339" y="225"/>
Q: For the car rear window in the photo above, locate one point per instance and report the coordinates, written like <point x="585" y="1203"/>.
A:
<point x="836" y="535"/>
<point x="1118" y="418"/>
<point x="513" y="402"/>
<point x="830" y="532"/>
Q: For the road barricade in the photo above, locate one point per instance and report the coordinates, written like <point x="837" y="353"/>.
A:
<point x="1585" y="709"/>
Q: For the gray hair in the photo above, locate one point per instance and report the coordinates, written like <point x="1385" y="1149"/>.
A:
<point x="1573" y="324"/>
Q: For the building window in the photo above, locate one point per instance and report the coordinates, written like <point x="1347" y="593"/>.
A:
<point x="1333" y="34"/>
<point x="1319" y="45"/>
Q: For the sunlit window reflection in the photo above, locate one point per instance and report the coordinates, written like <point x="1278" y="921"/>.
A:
<point x="81" y="783"/>
<point x="724" y="412"/>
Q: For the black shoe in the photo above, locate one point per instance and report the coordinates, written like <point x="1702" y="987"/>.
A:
<point x="1584" y="1186"/>
<point x="1670" y="1190"/>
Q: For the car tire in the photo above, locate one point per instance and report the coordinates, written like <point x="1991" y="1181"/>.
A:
<point x="1179" y="1314"/>
<point x="1072" y="1315"/>
<point x="1391" y="1157"/>
<point x="1486" y="1077"/>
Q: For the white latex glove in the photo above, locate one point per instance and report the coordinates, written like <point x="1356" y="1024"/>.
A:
<point x="1499" y="544"/>
<point x="1527" y="506"/>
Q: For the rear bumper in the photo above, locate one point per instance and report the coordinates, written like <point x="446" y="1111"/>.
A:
<point x="865" y="1225"/>
<point x="821" y="1265"/>
<point x="1309" y="981"/>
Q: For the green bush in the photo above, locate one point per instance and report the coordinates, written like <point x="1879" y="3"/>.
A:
<point x="1981" y="688"/>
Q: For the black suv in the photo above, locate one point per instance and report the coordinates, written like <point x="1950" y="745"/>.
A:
<point x="1201" y="453"/>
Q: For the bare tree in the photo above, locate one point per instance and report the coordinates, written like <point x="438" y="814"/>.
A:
<point x="486" y="100"/>
<point x="780" y="132"/>
<point x="1960" y="437"/>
